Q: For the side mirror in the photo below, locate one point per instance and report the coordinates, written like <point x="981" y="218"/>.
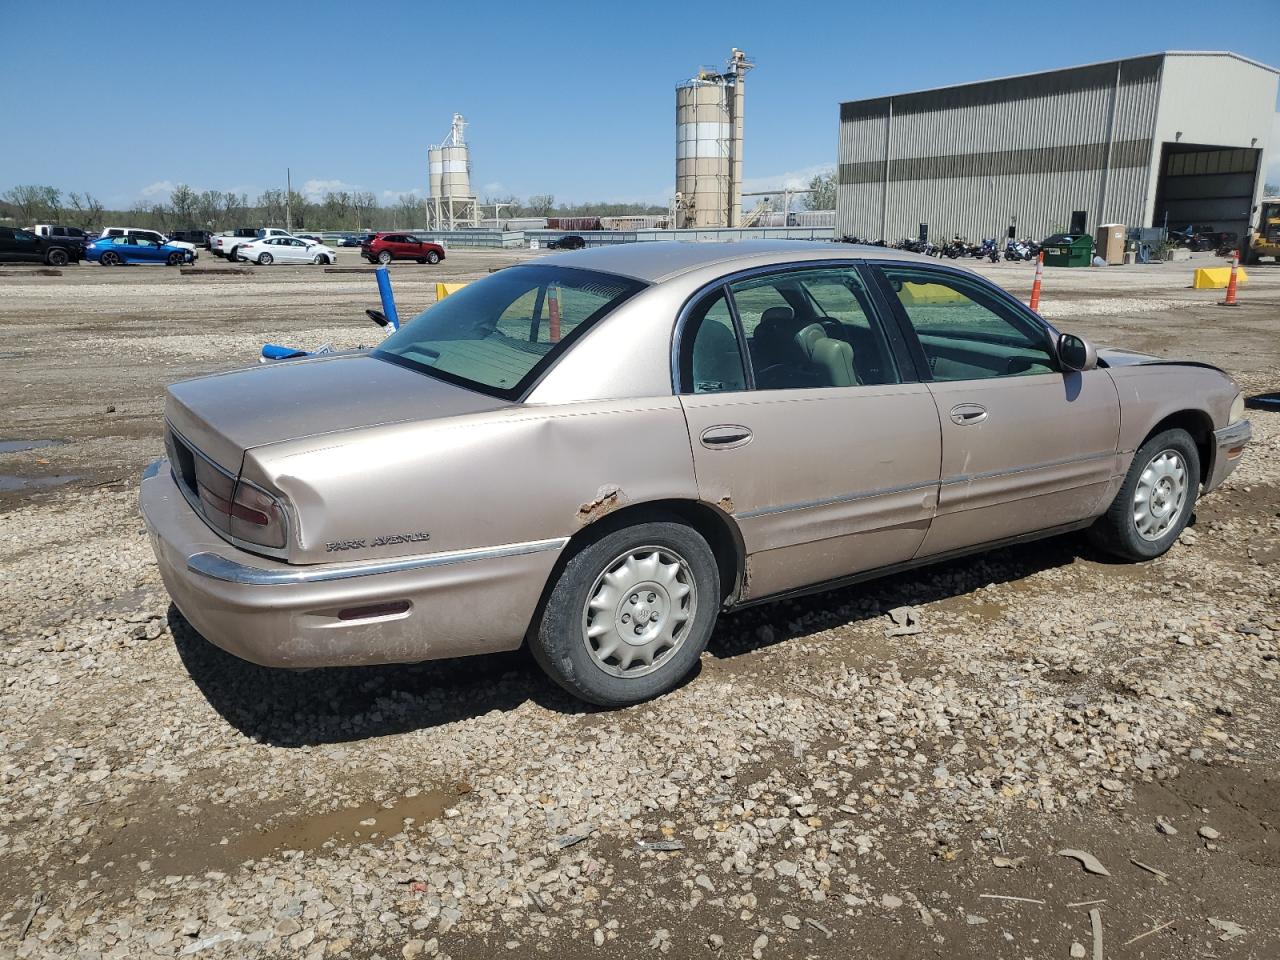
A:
<point x="1076" y="353"/>
<point x="378" y="317"/>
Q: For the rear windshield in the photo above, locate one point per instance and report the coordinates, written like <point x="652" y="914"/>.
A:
<point x="499" y="334"/>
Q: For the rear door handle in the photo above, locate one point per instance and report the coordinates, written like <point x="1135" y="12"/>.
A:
<point x="725" y="436"/>
<point x="968" y="413"/>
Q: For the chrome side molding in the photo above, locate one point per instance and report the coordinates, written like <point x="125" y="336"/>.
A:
<point x="220" y="568"/>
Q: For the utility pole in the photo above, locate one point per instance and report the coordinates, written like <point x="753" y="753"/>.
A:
<point x="288" y="197"/>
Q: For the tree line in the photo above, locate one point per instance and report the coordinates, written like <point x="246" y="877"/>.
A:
<point x="352" y="210"/>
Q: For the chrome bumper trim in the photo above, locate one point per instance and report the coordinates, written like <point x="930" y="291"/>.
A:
<point x="1235" y="434"/>
<point x="220" y="568"/>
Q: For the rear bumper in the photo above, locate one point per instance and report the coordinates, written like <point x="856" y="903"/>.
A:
<point x="282" y="615"/>
<point x="1229" y="444"/>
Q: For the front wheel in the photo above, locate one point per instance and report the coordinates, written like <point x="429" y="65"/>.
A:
<point x="57" y="257"/>
<point x="433" y="257"/>
<point x="174" y="259"/>
<point x="630" y="614"/>
<point x="1156" y="501"/>
<point x="265" y="259"/>
<point x="384" y="257"/>
<point x="320" y="259"/>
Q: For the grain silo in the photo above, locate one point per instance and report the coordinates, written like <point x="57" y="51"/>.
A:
<point x="709" y="113"/>
<point x="451" y="204"/>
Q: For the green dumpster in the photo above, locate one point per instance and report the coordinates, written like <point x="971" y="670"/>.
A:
<point x="1068" y="250"/>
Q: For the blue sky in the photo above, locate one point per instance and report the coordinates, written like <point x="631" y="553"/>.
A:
<point x="573" y="99"/>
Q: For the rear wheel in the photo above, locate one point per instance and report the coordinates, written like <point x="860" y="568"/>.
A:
<point x="433" y="257"/>
<point x="110" y="259"/>
<point x="1156" y="501"/>
<point x="233" y="254"/>
<point x="384" y="256"/>
<point x="57" y="257"/>
<point x="630" y="614"/>
<point x="265" y="259"/>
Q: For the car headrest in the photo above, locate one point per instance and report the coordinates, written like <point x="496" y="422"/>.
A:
<point x="778" y="316"/>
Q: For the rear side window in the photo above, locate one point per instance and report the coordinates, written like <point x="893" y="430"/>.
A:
<point x="711" y="361"/>
<point x="813" y="328"/>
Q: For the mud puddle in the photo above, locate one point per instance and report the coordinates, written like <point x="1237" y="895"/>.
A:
<point x="17" y="446"/>
<point x="12" y="482"/>
<point x="351" y="825"/>
<point x="139" y="835"/>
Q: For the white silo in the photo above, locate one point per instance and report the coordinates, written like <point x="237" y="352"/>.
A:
<point x="452" y="204"/>
<point x="709" y="114"/>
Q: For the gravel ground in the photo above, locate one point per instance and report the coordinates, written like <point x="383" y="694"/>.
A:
<point x="818" y="784"/>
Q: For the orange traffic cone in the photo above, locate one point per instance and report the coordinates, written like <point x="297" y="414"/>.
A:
<point x="1231" y="284"/>
<point x="1035" y="287"/>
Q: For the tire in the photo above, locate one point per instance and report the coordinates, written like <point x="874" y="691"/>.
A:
<point x="320" y="259"/>
<point x="110" y="259"/>
<point x="56" y="257"/>
<point x="433" y="257"/>
<point x="174" y="259"/>
<point x="583" y="662"/>
<point x="265" y="259"/>
<point x="384" y="257"/>
<point x="233" y="255"/>
<point x="1156" y="501"/>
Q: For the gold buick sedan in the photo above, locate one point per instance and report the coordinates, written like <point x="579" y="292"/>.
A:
<point x="597" y="452"/>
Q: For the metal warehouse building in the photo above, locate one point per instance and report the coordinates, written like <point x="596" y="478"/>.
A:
<point x="1172" y="135"/>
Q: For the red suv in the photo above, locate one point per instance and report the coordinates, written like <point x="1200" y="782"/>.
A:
<point x="385" y="247"/>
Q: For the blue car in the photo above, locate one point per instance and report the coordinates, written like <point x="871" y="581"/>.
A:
<point x="133" y="248"/>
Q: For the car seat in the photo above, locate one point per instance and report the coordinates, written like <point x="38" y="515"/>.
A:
<point x="834" y="358"/>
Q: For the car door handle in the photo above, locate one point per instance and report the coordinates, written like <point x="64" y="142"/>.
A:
<point x="967" y="413"/>
<point x="725" y="436"/>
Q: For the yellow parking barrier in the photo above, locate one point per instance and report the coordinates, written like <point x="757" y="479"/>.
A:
<point x="932" y="294"/>
<point x="1216" y="278"/>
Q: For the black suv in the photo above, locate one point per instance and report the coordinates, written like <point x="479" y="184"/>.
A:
<point x="23" y="246"/>
<point x="200" y="238"/>
<point x="570" y="242"/>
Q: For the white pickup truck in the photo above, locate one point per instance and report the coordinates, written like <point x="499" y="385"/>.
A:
<point x="227" y="244"/>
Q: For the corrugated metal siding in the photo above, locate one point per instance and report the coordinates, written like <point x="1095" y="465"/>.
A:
<point x="966" y="159"/>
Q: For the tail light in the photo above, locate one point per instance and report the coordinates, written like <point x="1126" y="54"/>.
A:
<point x="237" y="508"/>
<point x="256" y="516"/>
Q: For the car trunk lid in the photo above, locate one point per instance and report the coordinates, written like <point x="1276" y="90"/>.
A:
<point x="223" y="415"/>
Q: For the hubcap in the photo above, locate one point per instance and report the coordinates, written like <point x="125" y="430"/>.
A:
<point x="1160" y="494"/>
<point x="639" y="611"/>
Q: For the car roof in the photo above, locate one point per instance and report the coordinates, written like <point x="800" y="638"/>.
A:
<point x="655" y="261"/>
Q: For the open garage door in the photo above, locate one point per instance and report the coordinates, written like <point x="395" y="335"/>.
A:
<point x="1206" y="186"/>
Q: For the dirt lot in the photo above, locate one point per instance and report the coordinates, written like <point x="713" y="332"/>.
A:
<point x="828" y="787"/>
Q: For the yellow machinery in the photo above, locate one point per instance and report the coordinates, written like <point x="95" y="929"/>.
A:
<point x="1264" y="238"/>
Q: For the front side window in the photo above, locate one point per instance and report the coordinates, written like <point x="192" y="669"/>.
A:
<point x="813" y="328"/>
<point x="499" y="334"/>
<point x="966" y="331"/>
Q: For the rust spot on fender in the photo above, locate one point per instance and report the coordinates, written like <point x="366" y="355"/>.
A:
<point x="607" y="499"/>
<point x="725" y="504"/>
